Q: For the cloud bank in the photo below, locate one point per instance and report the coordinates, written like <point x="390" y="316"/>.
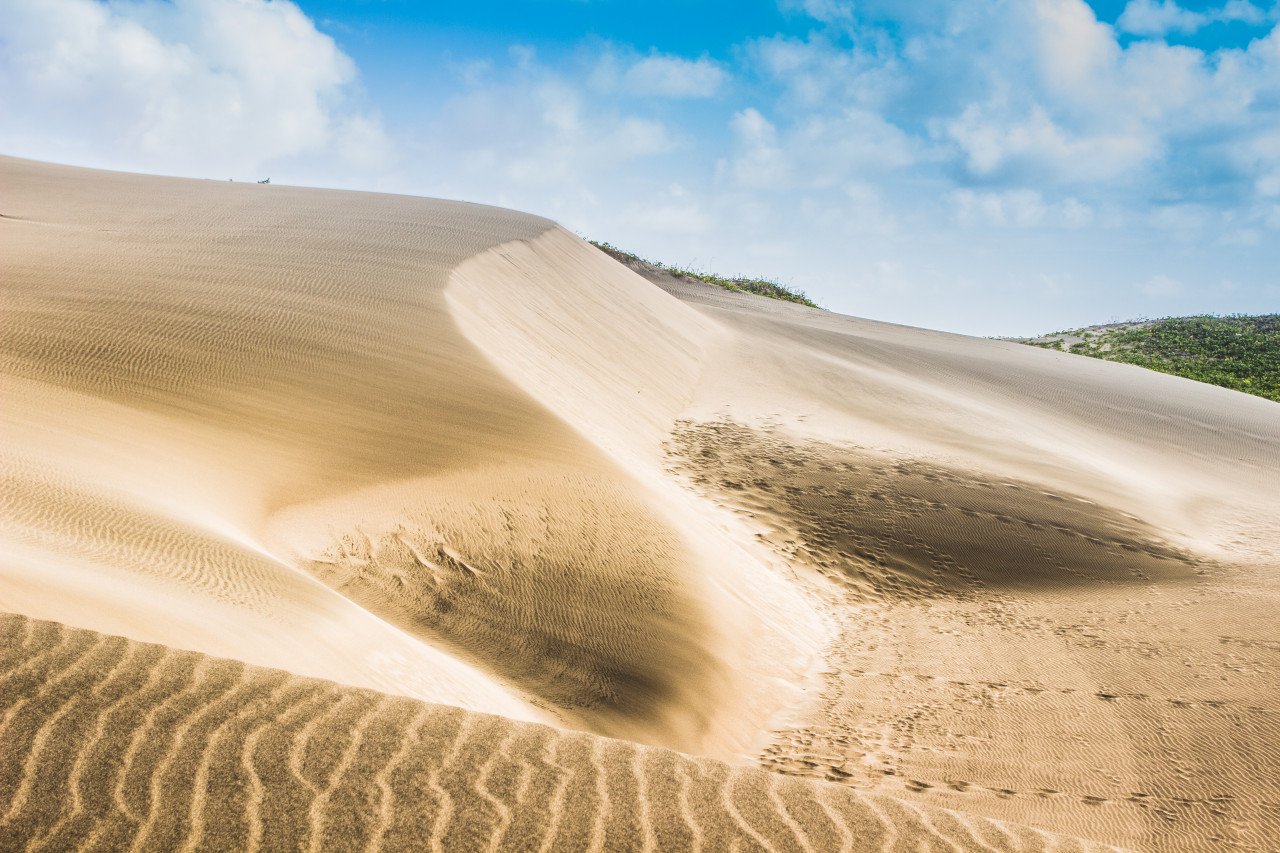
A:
<point x="212" y="87"/>
<point x="991" y="166"/>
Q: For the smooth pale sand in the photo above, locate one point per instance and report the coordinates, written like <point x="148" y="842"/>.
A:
<point x="340" y="520"/>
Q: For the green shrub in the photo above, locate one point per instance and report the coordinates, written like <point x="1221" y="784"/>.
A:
<point x="759" y="286"/>
<point x="1237" y="351"/>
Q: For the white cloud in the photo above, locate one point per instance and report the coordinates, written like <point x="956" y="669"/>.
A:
<point x="1150" y="18"/>
<point x="760" y="162"/>
<point x="209" y="87"/>
<point x="1186" y="218"/>
<point x="1073" y="46"/>
<point x="1244" y="11"/>
<point x="1042" y="95"/>
<point x="824" y="151"/>
<point x="1075" y="213"/>
<point x="985" y="146"/>
<point x="525" y="56"/>
<point x="979" y="154"/>
<point x="815" y="71"/>
<point x="831" y="11"/>
<point x="674" y="77"/>
<point x="997" y="142"/>
<point x="1022" y="208"/>
<point x="559" y="143"/>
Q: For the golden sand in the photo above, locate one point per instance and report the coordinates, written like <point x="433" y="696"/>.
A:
<point x="348" y="521"/>
<point x="113" y="744"/>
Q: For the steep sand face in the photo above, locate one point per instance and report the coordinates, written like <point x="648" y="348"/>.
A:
<point x="604" y="349"/>
<point x="449" y="453"/>
<point x="620" y="360"/>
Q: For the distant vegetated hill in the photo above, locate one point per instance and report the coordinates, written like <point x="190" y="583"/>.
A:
<point x="759" y="286"/>
<point x="1238" y="351"/>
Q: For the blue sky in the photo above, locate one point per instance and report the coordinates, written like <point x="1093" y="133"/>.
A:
<point x="989" y="167"/>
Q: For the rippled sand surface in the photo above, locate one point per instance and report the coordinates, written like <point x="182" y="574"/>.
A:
<point x="113" y="744"/>
<point x="346" y="521"/>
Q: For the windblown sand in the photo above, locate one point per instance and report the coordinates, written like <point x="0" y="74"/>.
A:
<point x="109" y="744"/>
<point x="348" y="521"/>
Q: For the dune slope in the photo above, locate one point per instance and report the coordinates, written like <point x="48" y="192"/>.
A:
<point x="1055" y="582"/>
<point x="243" y="420"/>
<point x="382" y="511"/>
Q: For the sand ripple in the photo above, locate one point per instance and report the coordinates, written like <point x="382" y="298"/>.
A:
<point x="232" y="757"/>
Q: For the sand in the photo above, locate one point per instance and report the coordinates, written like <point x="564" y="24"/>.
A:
<point x="111" y="744"/>
<point x="341" y="520"/>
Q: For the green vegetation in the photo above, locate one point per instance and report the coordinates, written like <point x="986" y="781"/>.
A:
<point x="758" y="286"/>
<point x="1238" y="351"/>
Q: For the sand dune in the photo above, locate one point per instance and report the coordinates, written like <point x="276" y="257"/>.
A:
<point x="1055" y="586"/>
<point x="402" y="504"/>
<point x="214" y="443"/>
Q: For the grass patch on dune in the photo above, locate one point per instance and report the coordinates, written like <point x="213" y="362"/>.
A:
<point x="1238" y="351"/>
<point x="759" y="286"/>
